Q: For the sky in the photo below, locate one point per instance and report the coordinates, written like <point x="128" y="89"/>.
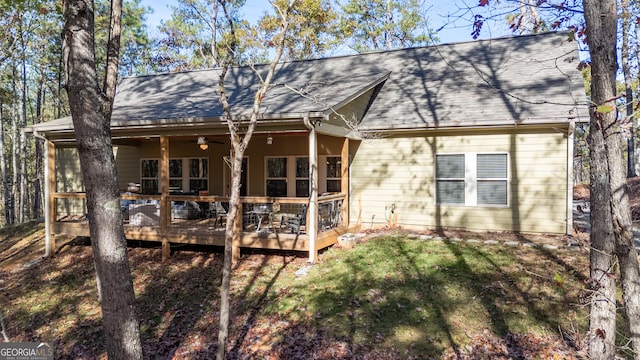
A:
<point x="453" y="32"/>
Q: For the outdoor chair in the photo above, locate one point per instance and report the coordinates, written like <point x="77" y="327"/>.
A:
<point x="295" y="223"/>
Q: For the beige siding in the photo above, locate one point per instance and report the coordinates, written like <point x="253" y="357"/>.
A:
<point x="68" y="173"/>
<point x="400" y="171"/>
<point x="69" y="176"/>
<point x="353" y="111"/>
<point x="288" y="145"/>
<point x="127" y="165"/>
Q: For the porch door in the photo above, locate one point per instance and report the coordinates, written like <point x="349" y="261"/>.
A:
<point x="244" y="189"/>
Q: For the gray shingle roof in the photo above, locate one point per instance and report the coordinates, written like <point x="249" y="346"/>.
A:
<point x="515" y="79"/>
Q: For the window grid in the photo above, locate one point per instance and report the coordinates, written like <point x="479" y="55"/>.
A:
<point x="450" y="179"/>
<point x="198" y="171"/>
<point x="334" y="174"/>
<point x="492" y="179"/>
<point x="276" y="177"/>
<point x="472" y="179"/>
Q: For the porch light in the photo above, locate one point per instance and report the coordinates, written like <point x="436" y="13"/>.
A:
<point x="269" y="139"/>
<point x="202" y="143"/>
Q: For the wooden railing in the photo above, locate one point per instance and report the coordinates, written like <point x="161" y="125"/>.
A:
<point x="258" y="212"/>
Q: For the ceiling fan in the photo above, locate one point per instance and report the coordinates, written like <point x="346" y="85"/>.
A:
<point x="203" y="142"/>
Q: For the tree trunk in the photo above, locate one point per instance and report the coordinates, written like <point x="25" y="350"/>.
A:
<point x="234" y="202"/>
<point x="625" y="247"/>
<point x="601" y="19"/>
<point x="3" y="170"/>
<point x="14" y="147"/>
<point x="626" y="71"/>
<point x="22" y="207"/>
<point x="38" y="199"/>
<point x="90" y="111"/>
<point x="239" y="144"/>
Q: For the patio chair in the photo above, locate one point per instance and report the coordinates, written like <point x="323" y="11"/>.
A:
<point x="295" y="223"/>
<point x="219" y="213"/>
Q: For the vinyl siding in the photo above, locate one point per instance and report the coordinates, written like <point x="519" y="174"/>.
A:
<point x="401" y="171"/>
<point x="69" y="176"/>
<point x="68" y="173"/>
<point x="353" y="111"/>
<point x="127" y="165"/>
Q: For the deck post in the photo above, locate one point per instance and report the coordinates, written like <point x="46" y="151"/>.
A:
<point x="237" y="232"/>
<point x="163" y="187"/>
<point x="166" y="249"/>
<point x="344" y="186"/>
<point x="49" y="188"/>
<point x="312" y="213"/>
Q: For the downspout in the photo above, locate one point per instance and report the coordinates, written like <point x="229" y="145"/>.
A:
<point x="570" y="140"/>
<point x="47" y="194"/>
<point x="312" y="211"/>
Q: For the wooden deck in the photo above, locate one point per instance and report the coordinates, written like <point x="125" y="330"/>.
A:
<point x="193" y="233"/>
<point x="149" y="218"/>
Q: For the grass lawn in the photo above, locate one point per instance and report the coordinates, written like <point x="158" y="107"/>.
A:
<point x="392" y="296"/>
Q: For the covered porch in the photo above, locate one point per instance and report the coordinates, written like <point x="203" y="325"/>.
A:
<point x="170" y="140"/>
<point x="174" y="189"/>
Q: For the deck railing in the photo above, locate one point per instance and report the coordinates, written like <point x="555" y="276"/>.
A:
<point x="260" y="214"/>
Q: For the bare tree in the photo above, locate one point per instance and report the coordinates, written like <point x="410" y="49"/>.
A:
<point x="626" y="72"/>
<point x="240" y="139"/>
<point x="91" y="112"/>
<point x="610" y="212"/>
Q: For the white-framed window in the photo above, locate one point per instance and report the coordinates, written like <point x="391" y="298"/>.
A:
<point x="472" y="179"/>
<point x="302" y="177"/>
<point x="276" y="176"/>
<point x="198" y="174"/>
<point x="185" y="175"/>
<point x="333" y="179"/>
<point x="149" y="176"/>
<point x="175" y="175"/>
<point x="289" y="175"/>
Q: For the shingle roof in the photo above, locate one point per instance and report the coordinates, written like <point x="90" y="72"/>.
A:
<point x="507" y="80"/>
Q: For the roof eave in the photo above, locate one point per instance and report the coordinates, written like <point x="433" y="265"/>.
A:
<point x="468" y="125"/>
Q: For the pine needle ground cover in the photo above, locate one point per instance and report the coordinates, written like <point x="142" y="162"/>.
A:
<point x="390" y="297"/>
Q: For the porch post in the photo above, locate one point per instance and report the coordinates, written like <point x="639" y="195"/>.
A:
<point x="49" y="188"/>
<point x="163" y="187"/>
<point x="344" y="177"/>
<point x="312" y="211"/>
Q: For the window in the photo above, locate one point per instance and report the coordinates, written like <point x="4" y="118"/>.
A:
<point x="149" y="176"/>
<point x="472" y="179"/>
<point x="198" y="174"/>
<point x="289" y="176"/>
<point x="334" y="171"/>
<point x="185" y="175"/>
<point x="492" y="179"/>
<point x="450" y="171"/>
<point x="302" y="177"/>
<point x="277" y="176"/>
<point x="175" y="175"/>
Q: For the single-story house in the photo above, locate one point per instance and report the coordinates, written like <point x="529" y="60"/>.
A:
<point x="475" y="135"/>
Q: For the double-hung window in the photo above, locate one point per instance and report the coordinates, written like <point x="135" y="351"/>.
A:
<point x="277" y="176"/>
<point x="334" y="170"/>
<point x="289" y="175"/>
<point x="189" y="174"/>
<point x="302" y="177"/>
<point x="149" y="176"/>
<point x="450" y="179"/>
<point x="472" y="179"/>
<point x="198" y="174"/>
